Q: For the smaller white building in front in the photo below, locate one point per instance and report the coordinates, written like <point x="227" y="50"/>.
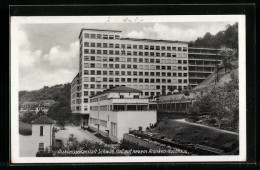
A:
<point x="115" y="111"/>
<point x="42" y="134"/>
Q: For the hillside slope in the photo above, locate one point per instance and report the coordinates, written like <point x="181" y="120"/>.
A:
<point x="58" y="93"/>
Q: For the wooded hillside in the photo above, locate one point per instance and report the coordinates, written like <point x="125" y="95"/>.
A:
<point x="59" y="93"/>
<point x="227" y="38"/>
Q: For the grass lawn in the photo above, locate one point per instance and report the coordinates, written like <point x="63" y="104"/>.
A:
<point x="192" y="134"/>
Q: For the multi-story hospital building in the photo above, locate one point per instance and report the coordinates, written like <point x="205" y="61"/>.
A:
<point x="107" y="60"/>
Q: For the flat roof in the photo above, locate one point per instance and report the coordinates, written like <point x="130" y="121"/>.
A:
<point x="97" y="30"/>
<point x="200" y="48"/>
<point x="118" y="89"/>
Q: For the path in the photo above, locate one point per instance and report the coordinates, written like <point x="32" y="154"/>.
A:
<point x="196" y="124"/>
<point x="78" y="133"/>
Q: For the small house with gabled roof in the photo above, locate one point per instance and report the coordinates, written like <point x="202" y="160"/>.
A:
<point x="42" y="134"/>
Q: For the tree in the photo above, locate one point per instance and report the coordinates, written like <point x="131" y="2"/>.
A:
<point x="40" y="113"/>
<point x="63" y="115"/>
<point x="227" y="57"/>
<point x="163" y="91"/>
<point x="28" y="117"/>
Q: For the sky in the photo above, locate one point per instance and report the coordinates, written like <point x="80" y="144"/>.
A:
<point x="49" y="53"/>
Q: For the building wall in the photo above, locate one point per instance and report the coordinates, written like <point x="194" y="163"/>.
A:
<point x="36" y="138"/>
<point x="173" y="69"/>
<point x="202" y="63"/>
<point x="123" y="120"/>
<point x="134" y="119"/>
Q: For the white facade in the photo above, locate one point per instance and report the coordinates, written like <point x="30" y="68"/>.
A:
<point x="115" y="113"/>
<point x="107" y="60"/>
<point x="41" y="140"/>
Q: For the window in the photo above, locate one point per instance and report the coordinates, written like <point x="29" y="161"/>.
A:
<point x="157" y="60"/>
<point x="146" y="73"/>
<point x="146" y="47"/>
<point x="128" y="65"/>
<point x="162" y="48"/>
<point x="146" y="80"/>
<point x="116" y="45"/>
<point x="85" y="100"/>
<point x="173" y="55"/>
<point x="117" y="37"/>
<point x="129" y="46"/>
<point x="86" y="72"/>
<point x="123" y="73"/>
<point x="180" y="81"/>
<point x="111" y="79"/>
<point x="134" y="59"/>
<point x="151" y="47"/>
<point x="111" y="58"/>
<point x="180" y="74"/>
<point x="134" y="46"/>
<point x="98" y="72"/>
<point x="92" y="72"/>
<point x="158" y="74"/>
<point x="184" y="61"/>
<point x="184" y="68"/>
<point x="168" y="67"/>
<point x="41" y="130"/>
<point x="92" y="58"/>
<point x="111" y="45"/>
<point x="105" y="36"/>
<point x="122" y="45"/>
<point x="111" y="72"/>
<point x="179" y="61"/>
<point x="140" y="73"/>
<point x="140" y="80"/>
<point x="146" y="93"/>
<point x="129" y="59"/>
<point x="92" y="79"/>
<point x="129" y="73"/>
<point x="122" y="65"/>
<point x="116" y="65"/>
<point x="41" y="147"/>
<point x="93" y="35"/>
<point x="140" y="46"/>
<point x="140" y="60"/>
<point x="179" y="49"/>
<point x="158" y="80"/>
<point x="92" y="65"/>
<point x="163" y="73"/>
<point x="99" y="36"/>
<point x="104" y="79"/>
<point x="122" y="79"/>
<point x="141" y="53"/>
<point x="92" y="44"/>
<point x="173" y="48"/>
<point x="86" y="51"/>
<point x="86" y="44"/>
<point x="184" y="48"/>
<point x="169" y="48"/>
<point x="86" y="35"/>
<point x="135" y="66"/>
<point x="152" y="73"/>
<point x="134" y="73"/>
<point x="157" y="47"/>
<point x="128" y="79"/>
<point x="104" y="65"/>
<point x="111" y="36"/>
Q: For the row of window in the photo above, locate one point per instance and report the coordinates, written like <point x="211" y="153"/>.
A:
<point x="139" y="60"/>
<point x="134" y="73"/>
<point x="91" y="93"/>
<point x="135" y="53"/>
<point x="133" y="66"/>
<point x="129" y="80"/>
<point x="130" y="46"/>
<point x="101" y="36"/>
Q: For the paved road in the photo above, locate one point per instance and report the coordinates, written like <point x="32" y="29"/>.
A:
<point x="78" y="133"/>
<point x="226" y="131"/>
